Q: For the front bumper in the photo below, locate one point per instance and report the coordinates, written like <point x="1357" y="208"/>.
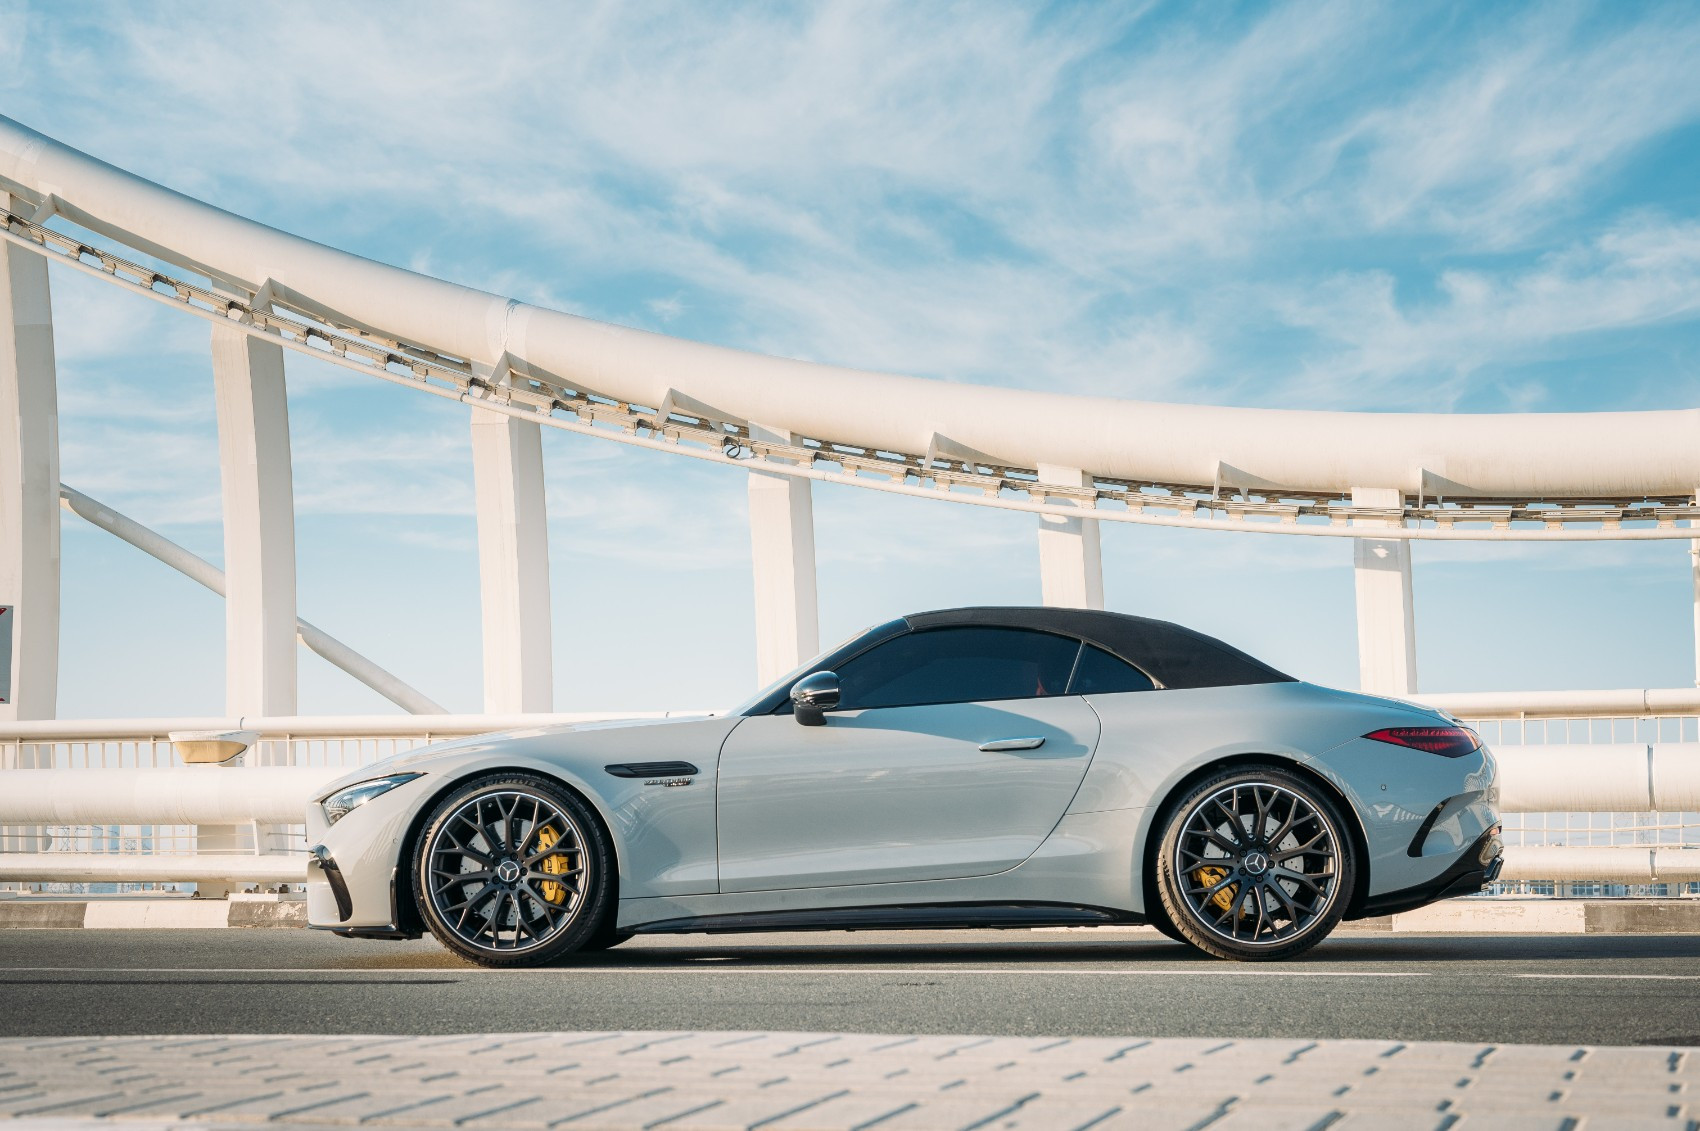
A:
<point x="1474" y="870"/>
<point x="355" y="884"/>
<point x="401" y="924"/>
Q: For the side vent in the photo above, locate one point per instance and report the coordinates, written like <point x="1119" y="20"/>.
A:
<point x="653" y="770"/>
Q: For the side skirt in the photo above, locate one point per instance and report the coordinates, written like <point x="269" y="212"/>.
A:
<point x="911" y="917"/>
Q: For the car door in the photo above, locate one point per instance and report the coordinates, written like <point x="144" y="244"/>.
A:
<point x="953" y="753"/>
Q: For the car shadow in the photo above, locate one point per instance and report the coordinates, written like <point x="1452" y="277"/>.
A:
<point x="1349" y="951"/>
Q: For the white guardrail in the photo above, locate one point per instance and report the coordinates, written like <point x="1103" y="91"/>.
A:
<point x="109" y="801"/>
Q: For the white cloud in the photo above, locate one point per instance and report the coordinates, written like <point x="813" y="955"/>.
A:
<point x="1534" y="114"/>
<point x="1642" y="272"/>
<point x="1335" y="204"/>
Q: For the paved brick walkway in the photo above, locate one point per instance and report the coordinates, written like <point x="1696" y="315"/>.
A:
<point x="799" y="1081"/>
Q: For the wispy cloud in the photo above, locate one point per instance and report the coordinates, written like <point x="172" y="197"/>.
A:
<point x="1365" y="205"/>
<point x="1641" y="272"/>
<point x="1537" y="111"/>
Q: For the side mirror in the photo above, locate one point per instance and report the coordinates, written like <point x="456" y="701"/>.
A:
<point x="813" y="696"/>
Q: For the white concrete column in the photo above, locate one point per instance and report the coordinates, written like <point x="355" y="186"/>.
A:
<point x="29" y="486"/>
<point x="513" y="563"/>
<point x="259" y="524"/>
<point x="1387" y="634"/>
<point x="257" y="482"/>
<point x="1071" y="565"/>
<point x="1694" y="569"/>
<point x="782" y="557"/>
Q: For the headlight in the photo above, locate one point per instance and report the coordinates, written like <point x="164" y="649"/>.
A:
<point x="344" y="801"/>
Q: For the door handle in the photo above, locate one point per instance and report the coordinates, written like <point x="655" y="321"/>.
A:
<point x="1001" y="744"/>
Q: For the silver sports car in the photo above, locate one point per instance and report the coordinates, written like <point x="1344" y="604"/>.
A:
<point x="986" y="767"/>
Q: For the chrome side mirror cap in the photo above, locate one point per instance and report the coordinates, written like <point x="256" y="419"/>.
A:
<point x="813" y="696"/>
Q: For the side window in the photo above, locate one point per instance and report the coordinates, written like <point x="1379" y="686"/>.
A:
<point x="958" y="665"/>
<point x="1100" y="673"/>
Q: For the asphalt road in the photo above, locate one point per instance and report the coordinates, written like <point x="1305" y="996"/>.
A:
<point x="1588" y="989"/>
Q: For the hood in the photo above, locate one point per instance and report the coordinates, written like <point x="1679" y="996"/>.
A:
<point x="420" y="758"/>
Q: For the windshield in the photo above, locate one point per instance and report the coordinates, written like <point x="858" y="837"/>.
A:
<point x="764" y="700"/>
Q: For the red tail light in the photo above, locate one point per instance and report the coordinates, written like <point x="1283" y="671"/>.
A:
<point x="1448" y="742"/>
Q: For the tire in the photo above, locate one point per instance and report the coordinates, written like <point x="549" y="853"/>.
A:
<point x="1256" y="864"/>
<point x="1159" y="918"/>
<point x="513" y="870"/>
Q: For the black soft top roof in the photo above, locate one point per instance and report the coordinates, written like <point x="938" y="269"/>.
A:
<point x="1174" y="656"/>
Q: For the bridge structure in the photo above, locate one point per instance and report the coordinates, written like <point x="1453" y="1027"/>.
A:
<point x="135" y="812"/>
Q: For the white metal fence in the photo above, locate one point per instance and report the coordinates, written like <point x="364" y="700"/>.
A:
<point x="1595" y="829"/>
<point x="333" y="743"/>
<point x="1625" y="717"/>
<point x="341" y="743"/>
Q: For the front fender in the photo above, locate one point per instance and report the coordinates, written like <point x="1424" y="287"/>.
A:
<point x="663" y="834"/>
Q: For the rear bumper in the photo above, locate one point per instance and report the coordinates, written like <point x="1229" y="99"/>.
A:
<point x="1478" y="867"/>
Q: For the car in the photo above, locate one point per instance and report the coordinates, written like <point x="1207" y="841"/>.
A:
<point x="975" y="767"/>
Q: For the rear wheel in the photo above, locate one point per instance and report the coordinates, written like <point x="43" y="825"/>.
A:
<point x="1255" y="864"/>
<point x="513" y="871"/>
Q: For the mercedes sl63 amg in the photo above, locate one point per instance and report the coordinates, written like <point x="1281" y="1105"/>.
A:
<point x="984" y="767"/>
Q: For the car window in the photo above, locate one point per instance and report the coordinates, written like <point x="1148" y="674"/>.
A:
<point x="1099" y="673"/>
<point x="958" y="665"/>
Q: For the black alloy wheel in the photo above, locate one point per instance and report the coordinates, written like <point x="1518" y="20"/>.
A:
<point x="1255" y="864"/>
<point x="513" y="871"/>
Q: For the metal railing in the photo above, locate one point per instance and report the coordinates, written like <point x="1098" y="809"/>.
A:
<point x="1626" y="717"/>
<point x="129" y="854"/>
<point x="100" y="833"/>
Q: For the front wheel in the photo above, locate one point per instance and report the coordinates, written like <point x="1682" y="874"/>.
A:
<point x="1255" y="864"/>
<point x="513" y="871"/>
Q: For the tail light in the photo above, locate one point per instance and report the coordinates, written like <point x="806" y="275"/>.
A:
<point x="1448" y="742"/>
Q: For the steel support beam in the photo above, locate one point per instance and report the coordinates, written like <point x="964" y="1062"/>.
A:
<point x="198" y="569"/>
<point x="29" y="486"/>
<point x="1071" y="563"/>
<point x="1387" y="635"/>
<point x="782" y="559"/>
<point x="513" y="563"/>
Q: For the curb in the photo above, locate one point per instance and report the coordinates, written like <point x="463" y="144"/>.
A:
<point x="1542" y="917"/>
<point x="1451" y="917"/>
<point x="133" y="914"/>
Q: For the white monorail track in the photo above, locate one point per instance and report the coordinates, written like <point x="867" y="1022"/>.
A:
<point x="517" y="386"/>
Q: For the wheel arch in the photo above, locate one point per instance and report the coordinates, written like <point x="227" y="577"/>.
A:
<point x="407" y="897"/>
<point x="1172" y="797"/>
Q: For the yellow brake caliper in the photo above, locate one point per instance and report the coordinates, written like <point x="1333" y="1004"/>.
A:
<point x="556" y="865"/>
<point x="1210" y="875"/>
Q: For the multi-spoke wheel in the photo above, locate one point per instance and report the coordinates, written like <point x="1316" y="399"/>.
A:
<point x="513" y="871"/>
<point x="1255" y="864"/>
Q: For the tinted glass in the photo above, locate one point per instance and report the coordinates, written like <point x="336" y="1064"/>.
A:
<point x="958" y="665"/>
<point x="1102" y="674"/>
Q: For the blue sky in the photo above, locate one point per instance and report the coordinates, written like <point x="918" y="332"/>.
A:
<point x="1392" y="207"/>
